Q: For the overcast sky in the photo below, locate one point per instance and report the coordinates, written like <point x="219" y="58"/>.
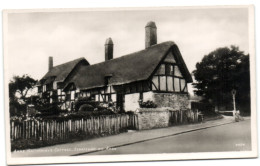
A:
<point x="33" y="37"/>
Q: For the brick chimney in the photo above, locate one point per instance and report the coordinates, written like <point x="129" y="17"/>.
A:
<point x="150" y="34"/>
<point x="50" y="63"/>
<point x="109" y="49"/>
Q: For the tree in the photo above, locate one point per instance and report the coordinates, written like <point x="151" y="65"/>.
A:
<point x="18" y="91"/>
<point x="221" y="71"/>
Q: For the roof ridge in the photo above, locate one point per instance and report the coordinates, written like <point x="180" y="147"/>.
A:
<point x="69" y="62"/>
<point x="123" y="56"/>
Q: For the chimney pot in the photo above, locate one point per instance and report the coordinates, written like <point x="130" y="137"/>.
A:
<point x="50" y="63"/>
<point x="150" y="34"/>
<point x="109" y="49"/>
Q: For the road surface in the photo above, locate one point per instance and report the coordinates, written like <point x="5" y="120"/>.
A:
<point x="216" y="135"/>
<point x="229" y="137"/>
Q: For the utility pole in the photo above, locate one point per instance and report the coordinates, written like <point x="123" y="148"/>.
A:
<point x="234" y="100"/>
<point x="235" y="112"/>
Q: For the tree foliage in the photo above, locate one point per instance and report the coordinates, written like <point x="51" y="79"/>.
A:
<point x="19" y="87"/>
<point x="221" y="71"/>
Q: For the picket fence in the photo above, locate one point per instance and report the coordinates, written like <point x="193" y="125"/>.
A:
<point x="66" y="129"/>
<point x="45" y="130"/>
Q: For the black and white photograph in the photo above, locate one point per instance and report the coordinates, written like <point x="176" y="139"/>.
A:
<point x="129" y="84"/>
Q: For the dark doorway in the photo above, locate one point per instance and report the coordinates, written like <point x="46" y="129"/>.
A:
<point x="120" y="98"/>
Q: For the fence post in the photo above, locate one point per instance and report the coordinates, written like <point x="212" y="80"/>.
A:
<point x="11" y="130"/>
<point x="29" y="129"/>
<point x="100" y="124"/>
<point x="14" y="131"/>
<point x="87" y="125"/>
<point x="63" y="130"/>
<point x="42" y="130"/>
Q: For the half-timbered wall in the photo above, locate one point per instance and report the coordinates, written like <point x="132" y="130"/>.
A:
<point x="168" y="77"/>
<point x="167" y="83"/>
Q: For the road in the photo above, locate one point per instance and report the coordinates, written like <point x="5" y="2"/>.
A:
<point x="229" y="137"/>
<point x="210" y="136"/>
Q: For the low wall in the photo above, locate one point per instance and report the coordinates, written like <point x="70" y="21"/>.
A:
<point x="177" y="101"/>
<point x="151" y="118"/>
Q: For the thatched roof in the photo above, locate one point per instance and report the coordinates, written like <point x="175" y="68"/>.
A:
<point x="129" y="68"/>
<point x="60" y="72"/>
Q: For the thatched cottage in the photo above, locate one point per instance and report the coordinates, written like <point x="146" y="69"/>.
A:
<point x="157" y="73"/>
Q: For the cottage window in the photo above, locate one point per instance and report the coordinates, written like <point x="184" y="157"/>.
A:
<point x="169" y="69"/>
<point x="163" y="83"/>
<point x="161" y="70"/>
<point x="106" y="98"/>
<point x="169" y="83"/>
<point x="177" y="84"/>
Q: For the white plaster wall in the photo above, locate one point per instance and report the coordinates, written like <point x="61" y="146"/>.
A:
<point x="113" y="97"/>
<point x="55" y="85"/>
<point x="148" y="96"/>
<point x="96" y="97"/>
<point x="131" y="102"/>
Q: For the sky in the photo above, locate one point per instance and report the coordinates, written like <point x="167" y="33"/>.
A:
<point x="34" y="36"/>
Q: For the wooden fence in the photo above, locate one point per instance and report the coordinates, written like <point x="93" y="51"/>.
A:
<point x="183" y="117"/>
<point x="95" y="126"/>
<point x="67" y="129"/>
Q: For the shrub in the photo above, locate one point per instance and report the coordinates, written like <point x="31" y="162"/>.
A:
<point x="86" y="107"/>
<point x="17" y="109"/>
<point x="147" y="104"/>
<point x="80" y="101"/>
<point x="48" y="109"/>
<point x="85" y="100"/>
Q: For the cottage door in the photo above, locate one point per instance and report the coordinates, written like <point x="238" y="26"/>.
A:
<point x="121" y="101"/>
